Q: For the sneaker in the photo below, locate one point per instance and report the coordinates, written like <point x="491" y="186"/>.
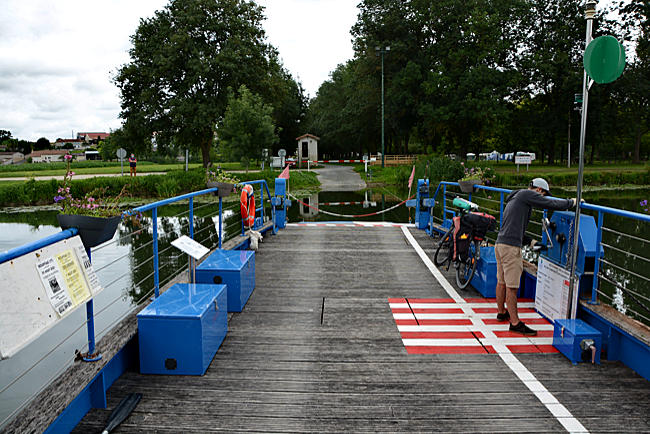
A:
<point x="523" y="329"/>
<point x="503" y="316"/>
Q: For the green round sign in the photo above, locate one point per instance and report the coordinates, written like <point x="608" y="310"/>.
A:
<point x="604" y="59"/>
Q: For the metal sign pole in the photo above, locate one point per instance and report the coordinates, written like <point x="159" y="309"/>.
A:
<point x="581" y="166"/>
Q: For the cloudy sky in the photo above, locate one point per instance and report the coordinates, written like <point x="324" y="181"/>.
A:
<point x="57" y="57"/>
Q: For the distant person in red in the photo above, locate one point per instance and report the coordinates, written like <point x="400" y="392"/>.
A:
<point x="132" y="162"/>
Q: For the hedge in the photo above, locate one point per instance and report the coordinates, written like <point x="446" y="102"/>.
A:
<point x="173" y="183"/>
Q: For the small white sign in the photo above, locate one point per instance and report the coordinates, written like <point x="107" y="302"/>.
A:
<point x="552" y="292"/>
<point x="89" y="271"/>
<point x="191" y="247"/>
<point x="523" y="159"/>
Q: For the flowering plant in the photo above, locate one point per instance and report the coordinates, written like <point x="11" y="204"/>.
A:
<point x="644" y="205"/>
<point x="218" y="175"/>
<point x="474" y="173"/>
<point x="94" y="204"/>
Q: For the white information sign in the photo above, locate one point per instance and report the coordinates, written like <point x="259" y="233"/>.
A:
<point x="552" y="293"/>
<point x="39" y="289"/>
<point x="523" y="159"/>
<point x="191" y="247"/>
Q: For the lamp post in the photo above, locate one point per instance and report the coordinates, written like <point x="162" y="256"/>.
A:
<point x="380" y="51"/>
<point x="590" y="11"/>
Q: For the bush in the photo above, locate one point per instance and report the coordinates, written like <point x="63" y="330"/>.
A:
<point x="175" y="182"/>
<point x="442" y="169"/>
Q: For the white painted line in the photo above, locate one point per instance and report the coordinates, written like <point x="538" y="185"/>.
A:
<point x="472" y="305"/>
<point x="569" y="422"/>
<point x="463" y="328"/>
<point x="464" y="315"/>
<point x="505" y="327"/>
<point x="440" y="316"/>
<point x="572" y="425"/>
<point x="447" y="328"/>
<point x="441" y="342"/>
<point x="522" y="340"/>
<point x="403" y="316"/>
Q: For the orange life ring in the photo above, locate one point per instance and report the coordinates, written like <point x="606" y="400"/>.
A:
<point x="247" y="202"/>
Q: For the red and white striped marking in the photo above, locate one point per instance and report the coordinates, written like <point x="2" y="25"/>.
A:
<point x="499" y="345"/>
<point x="436" y="326"/>
<point x="354" y="224"/>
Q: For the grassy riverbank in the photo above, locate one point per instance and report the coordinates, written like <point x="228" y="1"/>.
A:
<point x="173" y="183"/>
<point x="100" y="168"/>
<point x="599" y="175"/>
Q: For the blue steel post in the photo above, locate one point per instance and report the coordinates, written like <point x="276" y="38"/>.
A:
<point x="191" y="223"/>
<point x="220" y="220"/>
<point x="599" y="239"/>
<point x="192" y="217"/>
<point x="90" y="324"/>
<point x="544" y="240"/>
<point x="262" y="203"/>
<point x="156" y="277"/>
<point x="501" y="210"/>
<point x="444" y="204"/>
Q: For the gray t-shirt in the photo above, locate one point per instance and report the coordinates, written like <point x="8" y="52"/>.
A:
<point x="519" y="205"/>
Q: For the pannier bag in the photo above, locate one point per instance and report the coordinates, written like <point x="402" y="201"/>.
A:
<point x="472" y="226"/>
<point x="481" y="223"/>
<point x="462" y="238"/>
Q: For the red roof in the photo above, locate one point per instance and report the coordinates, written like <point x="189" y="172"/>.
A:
<point x="94" y="136"/>
<point x="311" y="136"/>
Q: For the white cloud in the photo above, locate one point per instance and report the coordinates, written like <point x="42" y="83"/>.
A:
<point x="312" y="36"/>
<point x="58" y="57"/>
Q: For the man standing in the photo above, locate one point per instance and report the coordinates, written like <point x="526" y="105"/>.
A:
<point x="515" y="219"/>
<point x="132" y="162"/>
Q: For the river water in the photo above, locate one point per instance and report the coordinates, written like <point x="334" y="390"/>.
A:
<point x="125" y="268"/>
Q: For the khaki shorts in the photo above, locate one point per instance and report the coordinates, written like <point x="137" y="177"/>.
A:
<point x="509" y="265"/>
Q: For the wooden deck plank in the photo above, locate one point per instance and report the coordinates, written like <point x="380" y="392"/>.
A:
<point x="283" y="369"/>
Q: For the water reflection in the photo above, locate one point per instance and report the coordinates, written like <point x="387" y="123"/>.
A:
<point x="368" y="205"/>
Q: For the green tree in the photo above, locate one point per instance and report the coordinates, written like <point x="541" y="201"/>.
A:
<point x="183" y="60"/>
<point x="289" y="102"/>
<point x="632" y="90"/>
<point x="246" y="128"/>
<point x="4" y="135"/>
<point x="41" y="144"/>
<point x="108" y="147"/>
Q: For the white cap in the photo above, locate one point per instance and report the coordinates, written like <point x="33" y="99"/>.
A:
<point x="540" y="183"/>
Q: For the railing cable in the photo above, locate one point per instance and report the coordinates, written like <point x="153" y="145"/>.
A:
<point x="626" y="235"/>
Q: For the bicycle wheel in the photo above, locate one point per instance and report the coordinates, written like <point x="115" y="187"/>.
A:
<point x="443" y="252"/>
<point x="466" y="269"/>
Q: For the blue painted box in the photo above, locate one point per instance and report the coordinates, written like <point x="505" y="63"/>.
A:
<point x="235" y="268"/>
<point x="569" y="333"/>
<point x="180" y="332"/>
<point x="485" y="278"/>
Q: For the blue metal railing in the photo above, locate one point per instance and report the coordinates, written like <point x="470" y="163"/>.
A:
<point x="153" y="207"/>
<point x="600" y="210"/>
<point x="39" y="244"/>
